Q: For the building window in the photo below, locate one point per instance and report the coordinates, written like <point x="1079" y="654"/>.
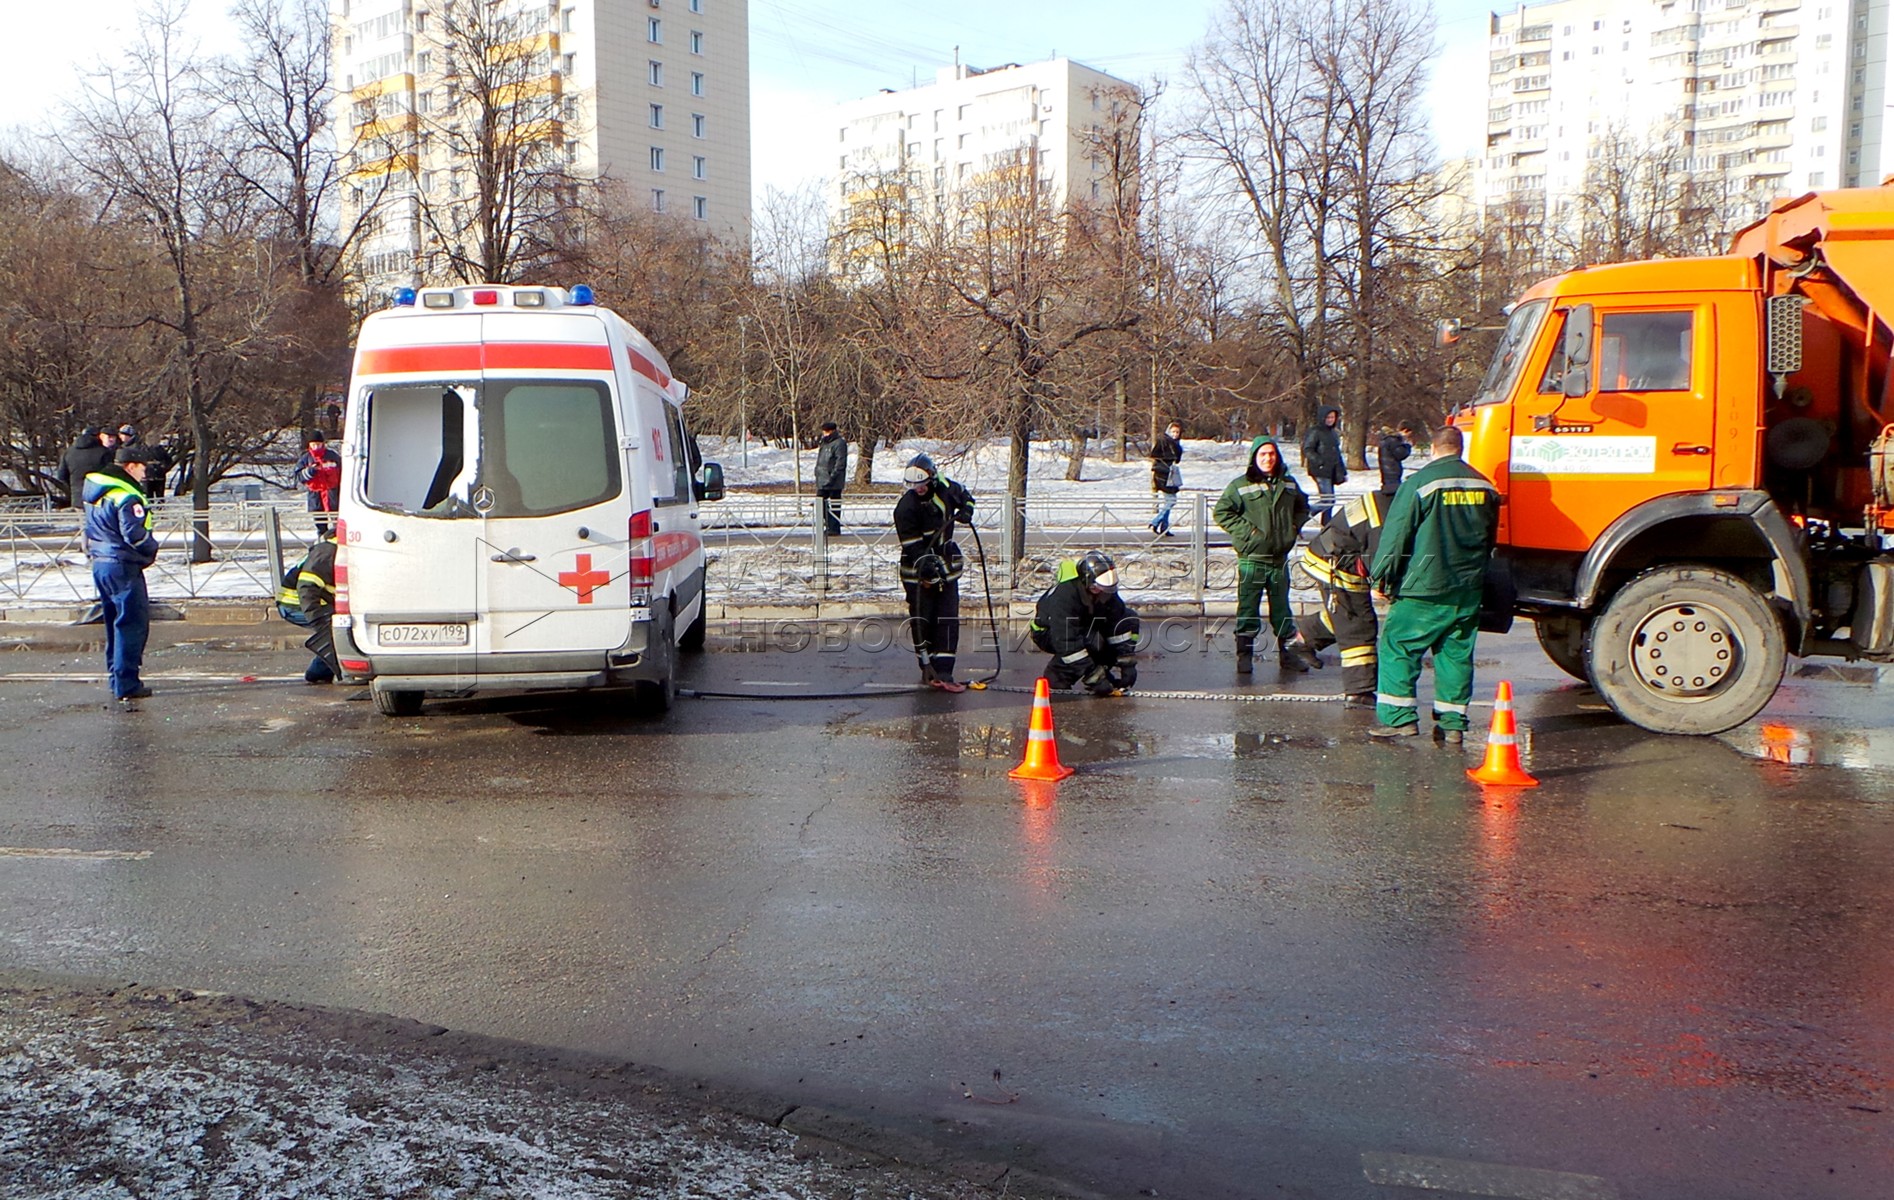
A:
<point x="420" y="22"/>
<point x="657" y="158"/>
<point x="657" y="73"/>
<point x="699" y="167"/>
<point x="565" y="20"/>
<point x="657" y="116"/>
<point x="700" y="207"/>
<point x="424" y="62"/>
<point x="697" y="5"/>
<point x="697" y="42"/>
<point x="697" y="83"/>
<point x="654" y="30"/>
<point x="657" y="200"/>
<point x="697" y="124"/>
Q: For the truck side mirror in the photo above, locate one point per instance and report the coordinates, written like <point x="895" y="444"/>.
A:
<point x="1575" y="347"/>
<point x="709" y="482"/>
<point x="1446" y="332"/>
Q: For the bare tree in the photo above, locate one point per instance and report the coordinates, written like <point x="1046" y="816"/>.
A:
<point x="503" y="196"/>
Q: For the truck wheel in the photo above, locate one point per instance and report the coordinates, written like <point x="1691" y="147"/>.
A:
<point x="652" y="697"/>
<point x="1563" y="640"/>
<point x="397" y="704"/>
<point x="1690" y="650"/>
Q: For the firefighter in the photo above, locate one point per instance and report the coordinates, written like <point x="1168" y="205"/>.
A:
<point x="1086" y="628"/>
<point x="1435" y="542"/>
<point x="931" y="563"/>
<point x="1263" y="510"/>
<point x="315" y="595"/>
<point x="1338" y="559"/>
<point x="119" y="541"/>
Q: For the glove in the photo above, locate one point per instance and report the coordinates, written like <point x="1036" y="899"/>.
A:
<point x="1124" y="675"/>
<point x="1098" y="682"/>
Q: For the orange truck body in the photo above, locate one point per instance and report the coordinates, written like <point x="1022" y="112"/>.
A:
<point x="1701" y="424"/>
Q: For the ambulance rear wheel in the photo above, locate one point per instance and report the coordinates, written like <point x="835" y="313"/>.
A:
<point x="652" y="697"/>
<point x="693" y="639"/>
<point x="397" y="704"/>
<point x="1563" y="640"/>
<point x="1692" y="650"/>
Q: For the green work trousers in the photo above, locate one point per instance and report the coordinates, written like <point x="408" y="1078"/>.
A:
<point x="1254" y="579"/>
<point x="1445" y="626"/>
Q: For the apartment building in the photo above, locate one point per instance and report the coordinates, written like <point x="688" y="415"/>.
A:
<point x="650" y="95"/>
<point x="949" y="137"/>
<point x="1766" y="97"/>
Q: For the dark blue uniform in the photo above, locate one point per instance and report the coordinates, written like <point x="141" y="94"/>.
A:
<point x="119" y="542"/>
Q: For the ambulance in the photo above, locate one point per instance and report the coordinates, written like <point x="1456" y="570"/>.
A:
<point x="519" y="505"/>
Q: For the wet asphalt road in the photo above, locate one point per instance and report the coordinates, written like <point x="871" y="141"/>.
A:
<point x="1241" y="953"/>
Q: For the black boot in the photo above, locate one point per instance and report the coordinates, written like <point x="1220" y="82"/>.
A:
<point x="1245" y="654"/>
<point x="1292" y="662"/>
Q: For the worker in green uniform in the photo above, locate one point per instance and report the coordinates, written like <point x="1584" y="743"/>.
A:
<point x="1263" y="510"/>
<point x="1432" y="564"/>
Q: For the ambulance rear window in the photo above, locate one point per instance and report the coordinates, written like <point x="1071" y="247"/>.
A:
<point x="547" y="447"/>
<point x="416" y="448"/>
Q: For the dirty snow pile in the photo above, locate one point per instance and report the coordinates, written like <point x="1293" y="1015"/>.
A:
<point x="171" y="1094"/>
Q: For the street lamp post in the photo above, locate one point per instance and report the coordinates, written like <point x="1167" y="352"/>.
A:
<point x="743" y="393"/>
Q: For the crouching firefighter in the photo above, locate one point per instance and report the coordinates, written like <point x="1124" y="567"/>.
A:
<point x="931" y="563"/>
<point x="1086" y="628"/>
<point x="1338" y="559"/>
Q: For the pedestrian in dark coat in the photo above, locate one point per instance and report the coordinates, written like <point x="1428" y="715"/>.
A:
<point x="158" y="458"/>
<point x="119" y="541"/>
<point x="1322" y="458"/>
<point x="1083" y="623"/>
<point x="831" y="473"/>
<point x="1390" y="453"/>
<point x="320" y="470"/>
<point x="315" y="595"/>
<point x="931" y="564"/>
<point x="1432" y="563"/>
<point x="1167" y="478"/>
<point x="86" y="455"/>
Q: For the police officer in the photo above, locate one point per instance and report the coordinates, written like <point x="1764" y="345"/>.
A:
<point x="119" y="542"/>
<point x="1083" y="623"/>
<point x="931" y="563"/>
<point x="1338" y="559"/>
<point x="1432" y="563"/>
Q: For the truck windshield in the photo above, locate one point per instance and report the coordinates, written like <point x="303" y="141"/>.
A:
<point x="1514" y="344"/>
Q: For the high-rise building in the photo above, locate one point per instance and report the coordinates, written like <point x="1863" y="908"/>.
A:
<point x="946" y="138"/>
<point x="1761" y="97"/>
<point x="652" y="96"/>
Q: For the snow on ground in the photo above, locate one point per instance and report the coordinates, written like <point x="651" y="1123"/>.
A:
<point x="171" y="1095"/>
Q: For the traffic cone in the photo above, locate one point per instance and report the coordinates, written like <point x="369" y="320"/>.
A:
<point x="1042" y="751"/>
<point x="1501" y="768"/>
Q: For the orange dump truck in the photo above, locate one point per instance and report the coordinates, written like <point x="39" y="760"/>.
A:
<point x="1697" y="461"/>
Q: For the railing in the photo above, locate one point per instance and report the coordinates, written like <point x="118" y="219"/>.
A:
<point x="763" y="548"/>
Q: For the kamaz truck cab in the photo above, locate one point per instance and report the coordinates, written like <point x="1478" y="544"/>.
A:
<point x="1694" y="460"/>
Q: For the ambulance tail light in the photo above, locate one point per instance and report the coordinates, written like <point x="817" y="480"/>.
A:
<point x="341" y="569"/>
<point x="643" y="559"/>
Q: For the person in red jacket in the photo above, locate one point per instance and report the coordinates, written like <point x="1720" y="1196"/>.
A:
<point x="320" y="470"/>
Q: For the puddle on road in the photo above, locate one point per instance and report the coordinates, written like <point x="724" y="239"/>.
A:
<point x="1855" y="749"/>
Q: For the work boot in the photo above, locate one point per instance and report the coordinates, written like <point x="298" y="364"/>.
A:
<point x="1245" y="654"/>
<point x="1292" y="662"/>
<point x="1358" y="700"/>
<point x="1449" y="737"/>
<point x="1394" y="731"/>
<point x="1298" y="648"/>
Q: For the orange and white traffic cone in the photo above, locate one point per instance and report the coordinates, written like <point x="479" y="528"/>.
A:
<point x="1042" y="751"/>
<point x="1502" y="768"/>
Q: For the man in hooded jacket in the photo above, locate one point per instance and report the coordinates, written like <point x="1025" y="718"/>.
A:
<point x="86" y="455"/>
<point x="1263" y="511"/>
<point x="1322" y="457"/>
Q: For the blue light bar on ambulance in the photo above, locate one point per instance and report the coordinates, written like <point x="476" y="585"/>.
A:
<point x="404" y="297"/>
<point x="582" y="294"/>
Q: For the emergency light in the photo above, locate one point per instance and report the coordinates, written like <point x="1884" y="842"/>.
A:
<point x="582" y="294"/>
<point x="437" y="300"/>
<point x="404" y="297"/>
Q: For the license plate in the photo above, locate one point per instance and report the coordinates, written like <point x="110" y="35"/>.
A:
<point x="421" y="635"/>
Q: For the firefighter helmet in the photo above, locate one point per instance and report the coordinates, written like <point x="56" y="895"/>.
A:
<point x="920" y="470"/>
<point x="1097" y="573"/>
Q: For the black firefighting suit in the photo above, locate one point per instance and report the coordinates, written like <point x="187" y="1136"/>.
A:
<point x="1091" y="636"/>
<point x="925" y="525"/>
<point x="1338" y="558"/>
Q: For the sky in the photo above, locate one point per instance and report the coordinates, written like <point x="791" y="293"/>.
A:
<point x="807" y="56"/>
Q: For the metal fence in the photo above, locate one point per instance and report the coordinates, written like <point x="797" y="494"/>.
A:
<point x="763" y="548"/>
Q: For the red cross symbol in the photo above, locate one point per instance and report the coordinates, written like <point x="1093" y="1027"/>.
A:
<point x="584" y="579"/>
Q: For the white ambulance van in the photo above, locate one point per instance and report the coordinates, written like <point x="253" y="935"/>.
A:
<point x="519" y="506"/>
